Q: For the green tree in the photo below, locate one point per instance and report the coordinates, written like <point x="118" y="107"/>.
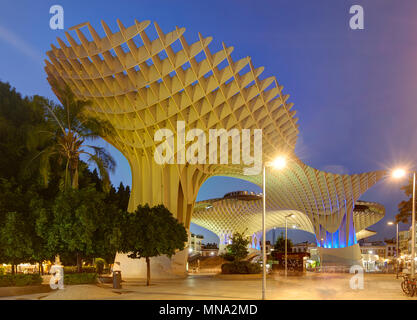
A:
<point x="151" y="232"/>
<point x="120" y="197"/>
<point x="108" y="235"/>
<point x="18" y="119"/>
<point x="19" y="185"/>
<point x="17" y="245"/>
<point x="107" y="219"/>
<point x="237" y="250"/>
<point x="34" y="133"/>
<point x="16" y="225"/>
<point x="280" y="244"/>
<point x="71" y="226"/>
<point x="405" y="207"/>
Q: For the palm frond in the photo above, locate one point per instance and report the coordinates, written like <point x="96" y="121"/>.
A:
<point x="104" y="156"/>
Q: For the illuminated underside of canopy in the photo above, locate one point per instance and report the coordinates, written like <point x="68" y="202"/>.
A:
<point x="227" y="215"/>
<point x="327" y="199"/>
<point x="142" y="80"/>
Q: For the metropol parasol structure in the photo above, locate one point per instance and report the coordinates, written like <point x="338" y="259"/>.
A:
<point x="241" y="211"/>
<point x="142" y="83"/>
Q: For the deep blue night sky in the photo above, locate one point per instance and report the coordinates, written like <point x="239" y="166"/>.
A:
<point x="354" y="91"/>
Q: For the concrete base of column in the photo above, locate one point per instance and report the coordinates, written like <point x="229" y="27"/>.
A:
<point x="348" y="256"/>
<point x="161" y="267"/>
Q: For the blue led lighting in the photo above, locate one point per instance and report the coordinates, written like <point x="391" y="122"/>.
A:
<point x="338" y="239"/>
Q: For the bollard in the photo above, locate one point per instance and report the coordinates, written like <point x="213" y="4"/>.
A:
<point x="117" y="280"/>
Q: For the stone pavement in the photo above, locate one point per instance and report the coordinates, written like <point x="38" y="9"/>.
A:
<point x="312" y="286"/>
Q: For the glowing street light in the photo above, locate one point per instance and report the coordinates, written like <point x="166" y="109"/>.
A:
<point x="278" y="163"/>
<point x="399" y="173"/>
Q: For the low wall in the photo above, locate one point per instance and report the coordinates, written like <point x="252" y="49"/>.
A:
<point x="162" y="267"/>
<point x="239" y="276"/>
<point x="19" y="291"/>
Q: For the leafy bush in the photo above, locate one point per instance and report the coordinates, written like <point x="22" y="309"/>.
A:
<point x="227" y="256"/>
<point x="100" y="265"/>
<point x="73" y="269"/>
<point x="2" y="271"/>
<point x="80" y="278"/>
<point x="238" y="248"/>
<point x="20" y="280"/>
<point x="241" y="267"/>
<point x="254" y="268"/>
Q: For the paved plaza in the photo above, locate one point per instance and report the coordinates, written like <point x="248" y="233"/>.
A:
<point x="312" y="286"/>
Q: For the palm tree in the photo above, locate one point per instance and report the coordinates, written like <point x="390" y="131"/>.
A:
<point x="68" y="129"/>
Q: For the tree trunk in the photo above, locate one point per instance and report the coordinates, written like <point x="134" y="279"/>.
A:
<point x="67" y="181"/>
<point x="40" y="268"/>
<point x="148" y="271"/>
<point x="75" y="178"/>
<point x="13" y="269"/>
<point x="79" y="266"/>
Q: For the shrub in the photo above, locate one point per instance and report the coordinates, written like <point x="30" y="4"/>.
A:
<point x="254" y="268"/>
<point x="20" y="280"/>
<point x="100" y="265"/>
<point x="241" y="267"/>
<point x="73" y="269"/>
<point x="2" y="271"/>
<point x="227" y="256"/>
<point x="80" y="278"/>
<point x="238" y="248"/>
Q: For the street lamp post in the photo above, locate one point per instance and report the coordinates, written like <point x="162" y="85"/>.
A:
<point x="278" y="163"/>
<point x="263" y="235"/>
<point x="398" y="174"/>
<point x="286" y="237"/>
<point x="413" y="230"/>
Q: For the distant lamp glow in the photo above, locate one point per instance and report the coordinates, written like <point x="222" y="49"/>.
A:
<point x="279" y="163"/>
<point x="190" y="250"/>
<point x="294" y="227"/>
<point x="398" y="173"/>
<point x="371" y="252"/>
<point x="390" y="223"/>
